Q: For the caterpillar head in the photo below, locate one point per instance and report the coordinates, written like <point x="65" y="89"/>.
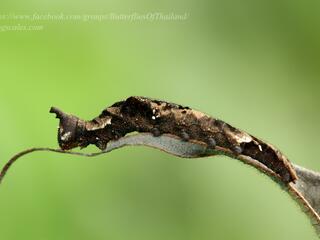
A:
<point x="69" y="131"/>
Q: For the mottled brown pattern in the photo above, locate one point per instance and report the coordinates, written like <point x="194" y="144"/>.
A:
<point x="140" y="114"/>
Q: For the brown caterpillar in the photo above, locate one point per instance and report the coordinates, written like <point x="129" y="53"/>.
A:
<point x="140" y="114"/>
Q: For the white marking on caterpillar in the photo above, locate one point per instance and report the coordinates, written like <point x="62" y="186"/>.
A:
<point x="242" y="138"/>
<point x="66" y="136"/>
<point x="108" y="122"/>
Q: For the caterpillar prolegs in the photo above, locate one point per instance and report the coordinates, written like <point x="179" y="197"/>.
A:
<point x="141" y="114"/>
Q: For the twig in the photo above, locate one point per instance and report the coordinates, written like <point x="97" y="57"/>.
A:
<point x="30" y="150"/>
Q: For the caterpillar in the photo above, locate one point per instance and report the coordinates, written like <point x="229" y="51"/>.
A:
<point x="141" y="114"/>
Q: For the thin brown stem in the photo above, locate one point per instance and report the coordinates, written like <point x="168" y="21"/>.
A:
<point x="31" y="150"/>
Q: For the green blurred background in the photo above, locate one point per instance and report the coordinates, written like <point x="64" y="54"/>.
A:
<point x="254" y="64"/>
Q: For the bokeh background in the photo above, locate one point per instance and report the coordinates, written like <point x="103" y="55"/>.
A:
<point x="254" y="64"/>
